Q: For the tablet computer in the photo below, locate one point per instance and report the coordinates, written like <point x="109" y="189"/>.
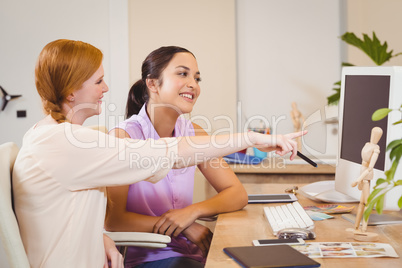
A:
<point x="271" y="198"/>
<point x="272" y="256"/>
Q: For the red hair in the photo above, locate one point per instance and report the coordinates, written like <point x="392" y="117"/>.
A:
<point x="62" y="67"/>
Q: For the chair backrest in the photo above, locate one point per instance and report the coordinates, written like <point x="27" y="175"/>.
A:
<point x="9" y="231"/>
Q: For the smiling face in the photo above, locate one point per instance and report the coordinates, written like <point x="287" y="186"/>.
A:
<point x="179" y="84"/>
<point x="87" y="100"/>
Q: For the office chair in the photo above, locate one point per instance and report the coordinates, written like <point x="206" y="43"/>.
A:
<point x="138" y="239"/>
<point x="9" y="232"/>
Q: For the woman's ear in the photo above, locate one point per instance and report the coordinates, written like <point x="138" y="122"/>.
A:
<point x="152" y="85"/>
<point x="70" y="97"/>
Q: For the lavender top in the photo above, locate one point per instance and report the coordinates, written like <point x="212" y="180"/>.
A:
<point x="172" y="192"/>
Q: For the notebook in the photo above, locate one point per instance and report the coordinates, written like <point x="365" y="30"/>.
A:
<point x="270" y="256"/>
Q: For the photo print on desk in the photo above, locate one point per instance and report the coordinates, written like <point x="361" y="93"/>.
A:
<point x="346" y="250"/>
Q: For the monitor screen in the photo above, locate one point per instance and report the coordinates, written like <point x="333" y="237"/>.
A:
<point x="364" y="94"/>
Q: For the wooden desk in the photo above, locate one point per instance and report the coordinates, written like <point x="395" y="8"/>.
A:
<point x="290" y="173"/>
<point x="241" y="227"/>
<point x="271" y="165"/>
<point x="271" y="170"/>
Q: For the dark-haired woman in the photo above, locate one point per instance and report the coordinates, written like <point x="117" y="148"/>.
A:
<point x="169" y="88"/>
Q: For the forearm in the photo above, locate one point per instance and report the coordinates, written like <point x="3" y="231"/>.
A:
<point x="231" y="194"/>
<point x="174" y="221"/>
<point x="197" y="149"/>
<point x="130" y="222"/>
<point x="228" y="200"/>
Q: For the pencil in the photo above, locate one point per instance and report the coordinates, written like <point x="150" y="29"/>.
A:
<point x="305" y="158"/>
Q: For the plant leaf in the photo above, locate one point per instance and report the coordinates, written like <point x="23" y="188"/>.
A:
<point x="396" y="153"/>
<point x="393" y="144"/>
<point x="380" y="204"/>
<point x="372" y="47"/>
<point x="380" y="114"/>
<point x="400" y="202"/>
<point x="380" y="181"/>
<point x="397" y="122"/>
<point x="369" y="208"/>
<point x="367" y="211"/>
<point x="373" y="196"/>
<point x="346" y="64"/>
<point x="390" y="173"/>
<point x="334" y="98"/>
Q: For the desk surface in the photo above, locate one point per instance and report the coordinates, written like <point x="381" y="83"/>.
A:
<point x="269" y="165"/>
<point x="241" y="227"/>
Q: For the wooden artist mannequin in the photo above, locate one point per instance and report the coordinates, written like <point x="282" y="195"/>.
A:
<point x="298" y="121"/>
<point x="370" y="153"/>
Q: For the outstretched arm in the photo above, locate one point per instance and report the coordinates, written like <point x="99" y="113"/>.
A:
<point x="197" y="149"/>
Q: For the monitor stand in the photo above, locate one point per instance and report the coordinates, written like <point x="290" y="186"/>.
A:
<point x="376" y="219"/>
<point x="324" y="191"/>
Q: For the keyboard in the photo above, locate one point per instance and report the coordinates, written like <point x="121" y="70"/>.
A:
<point x="290" y="215"/>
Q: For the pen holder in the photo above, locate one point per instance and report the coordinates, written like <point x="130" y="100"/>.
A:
<point x="259" y="153"/>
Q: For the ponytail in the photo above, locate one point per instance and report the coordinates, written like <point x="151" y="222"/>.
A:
<point x="137" y="97"/>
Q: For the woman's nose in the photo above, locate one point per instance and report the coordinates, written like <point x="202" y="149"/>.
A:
<point x="105" y="88"/>
<point x="192" y="83"/>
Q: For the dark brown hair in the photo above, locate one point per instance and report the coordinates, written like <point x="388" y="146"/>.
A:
<point x="152" y="67"/>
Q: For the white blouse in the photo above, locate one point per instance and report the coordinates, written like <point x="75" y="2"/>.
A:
<point x="59" y="181"/>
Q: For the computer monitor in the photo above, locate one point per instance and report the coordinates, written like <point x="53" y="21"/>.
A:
<point x="363" y="91"/>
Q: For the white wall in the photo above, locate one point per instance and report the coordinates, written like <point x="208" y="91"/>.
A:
<point x="382" y="17"/>
<point x="27" y="26"/>
<point x="289" y="51"/>
<point x="207" y="28"/>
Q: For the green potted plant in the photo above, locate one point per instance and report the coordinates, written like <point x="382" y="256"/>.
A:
<point x="372" y="47"/>
<point x="384" y="185"/>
